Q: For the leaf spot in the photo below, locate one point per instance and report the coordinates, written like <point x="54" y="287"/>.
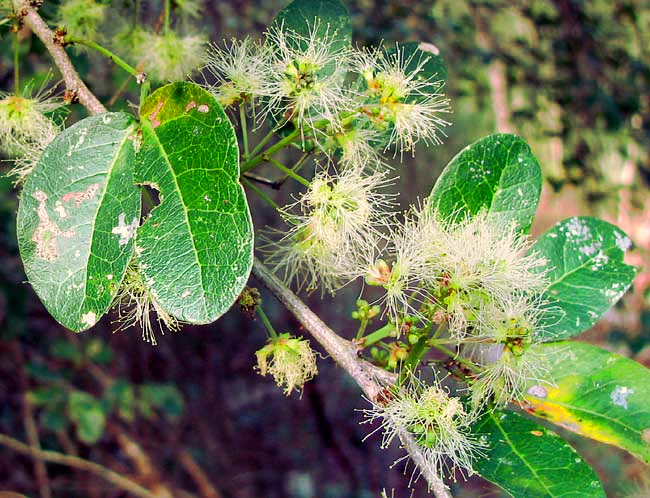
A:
<point x="60" y="210"/>
<point x="190" y="106"/>
<point x="622" y="242"/>
<point x="620" y="395"/>
<point x="89" y="318"/>
<point x="47" y="231"/>
<point x="203" y="108"/>
<point x="537" y="433"/>
<point x="81" y="138"/>
<point x="645" y="435"/>
<point x="186" y="293"/>
<point x="429" y="47"/>
<point x="124" y="231"/>
<point x="154" y="115"/>
<point x="109" y="277"/>
<point x="78" y="197"/>
<point x="537" y="391"/>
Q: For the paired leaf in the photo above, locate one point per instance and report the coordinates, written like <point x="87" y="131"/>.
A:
<point x="586" y="271"/>
<point x="498" y="174"/>
<point x="195" y="250"/>
<point x="529" y="460"/>
<point x="595" y="393"/>
<point x="77" y="218"/>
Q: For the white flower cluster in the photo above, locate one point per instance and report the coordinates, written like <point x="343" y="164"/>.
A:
<point x="305" y="80"/>
<point x="437" y="421"/>
<point x="335" y="220"/>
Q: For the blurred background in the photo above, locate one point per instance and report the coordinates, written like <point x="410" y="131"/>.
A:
<point x="190" y="417"/>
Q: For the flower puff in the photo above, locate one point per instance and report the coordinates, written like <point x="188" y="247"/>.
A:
<point x="169" y="56"/>
<point x="290" y="361"/>
<point x="435" y="420"/>
<point x="402" y="279"/>
<point x="135" y="301"/>
<point x="403" y="96"/>
<point x="336" y="221"/>
<point x="506" y="372"/>
<point x="241" y="69"/>
<point x="475" y="263"/>
<point x="82" y="18"/>
<point x="27" y="127"/>
<point x="306" y="80"/>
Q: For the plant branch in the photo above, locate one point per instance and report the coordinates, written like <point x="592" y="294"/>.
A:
<point x="72" y="80"/>
<point x="371" y="380"/>
<point x="31" y="430"/>
<point x="78" y="463"/>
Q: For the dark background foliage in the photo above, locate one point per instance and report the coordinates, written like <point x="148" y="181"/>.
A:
<point x="190" y="416"/>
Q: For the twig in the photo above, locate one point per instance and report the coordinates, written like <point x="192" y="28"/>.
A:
<point x="205" y="487"/>
<point x="72" y="80"/>
<point x="371" y="379"/>
<point x="29" y="423"/>
<point x="143" y="464"/>
<point x="78" y="463"/>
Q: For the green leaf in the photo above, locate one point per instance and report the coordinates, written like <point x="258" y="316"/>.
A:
<point x="98" y="351"/>
<point x="88" y="414"/>
<point x="195" y="250"/>
<point x="529" y="460"/>
<point x="329" y="18"/>
<point x="499" y="174"/>
<point x="121" y="396"/>
<point x="77" y="217"/>
<point x="43" y="373"/>
<point x="593" y="392"/>
<point x="165" y="397"/>
<point x="66" y="350"/>
<point x="586" y="272"/>
<point x="44" y="395"/>
<point x="53" y="419"/>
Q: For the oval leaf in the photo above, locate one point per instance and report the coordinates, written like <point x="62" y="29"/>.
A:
<point x="586" y="272"/>
<point x="529" y="460"/>
<point x="77" y="218"/>
<point x="593" y="392"/>
<point x="88" y="414"/>
<point x="195" y="250"/>
<point x="499" y="174"/>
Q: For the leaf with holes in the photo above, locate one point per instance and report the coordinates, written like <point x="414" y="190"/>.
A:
<point x="498" y="174"/>
<point x="195" y="250"/>
<point x="586" y="271"/>
<point x="77" y="218"/>
<point x="595" y="393"/>
<point x="527" y="459"/>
